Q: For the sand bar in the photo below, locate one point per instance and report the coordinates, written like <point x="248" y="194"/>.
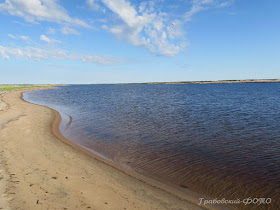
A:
<point x="39" y="171"/>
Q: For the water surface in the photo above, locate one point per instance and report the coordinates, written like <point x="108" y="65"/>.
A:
<point x="218" y="139"/>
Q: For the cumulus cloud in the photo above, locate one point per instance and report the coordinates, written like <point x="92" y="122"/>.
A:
<point x="37" y="54"/>
<point x="143" y="23"/>
<point x="40" y="10"/>
<point x="48" y="40"/>
<point x="67" y="30"/>
<point x="144" y="27"/>
<point x="151" y="28"/>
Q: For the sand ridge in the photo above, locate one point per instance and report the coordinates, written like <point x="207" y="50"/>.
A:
<point x="42" y="172"/>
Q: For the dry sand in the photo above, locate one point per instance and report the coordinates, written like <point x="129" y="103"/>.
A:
<point x="38" y="171"/>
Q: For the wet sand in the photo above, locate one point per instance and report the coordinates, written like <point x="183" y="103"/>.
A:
<point x="39" y="169"/>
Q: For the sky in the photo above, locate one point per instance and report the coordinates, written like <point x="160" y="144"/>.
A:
<point x="127" y="41"/>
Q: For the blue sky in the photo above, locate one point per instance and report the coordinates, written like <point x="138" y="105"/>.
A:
<point x="116" y="41"/>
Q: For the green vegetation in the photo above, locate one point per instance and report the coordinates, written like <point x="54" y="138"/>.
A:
<point x="4" y="88"/>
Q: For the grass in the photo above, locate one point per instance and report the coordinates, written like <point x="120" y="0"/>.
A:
<point x="19" y="87"/>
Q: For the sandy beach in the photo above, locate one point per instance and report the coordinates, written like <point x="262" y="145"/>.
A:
<point x="39" y="171"/>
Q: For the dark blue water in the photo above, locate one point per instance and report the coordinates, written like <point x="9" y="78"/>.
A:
<point x="218" y="139"/>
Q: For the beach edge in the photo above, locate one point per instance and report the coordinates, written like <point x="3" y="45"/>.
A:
<point x="54" y="127"/>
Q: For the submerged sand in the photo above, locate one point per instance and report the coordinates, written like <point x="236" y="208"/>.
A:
<point x="39" y="171"/>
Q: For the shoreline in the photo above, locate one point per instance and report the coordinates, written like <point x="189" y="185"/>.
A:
<point x="195" y="82"/>
<point x="174" y="198"/>
<point x="188" y="195"/>
<point x="222" y="81"/>
<point x="44" y="172"/>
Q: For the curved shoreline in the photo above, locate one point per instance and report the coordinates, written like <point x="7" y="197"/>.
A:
<point x="43" y="172"/>
<point x="186" y="195"/>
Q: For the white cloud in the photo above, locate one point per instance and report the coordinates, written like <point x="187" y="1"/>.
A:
<point x="200" y="5"/>
<point x="67" y="30"/>
<point x="12" y="36"/>
<point x="48" y="40"/>
<point x="51" y="30"/>
<point x="144" y="27"/>
<point x="93" y="5"/>
<point x="25" y="38"/>
<point x="37" y="54"/>
<point x="40" y="10"/>
<point x="21" y="23"/>
<point x="151" y="28"/>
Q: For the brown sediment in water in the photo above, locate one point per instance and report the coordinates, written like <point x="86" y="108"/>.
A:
<point x="48" y="174"/>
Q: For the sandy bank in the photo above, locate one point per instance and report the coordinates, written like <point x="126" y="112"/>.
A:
<point x="2" y="104"/>
<point x="38" y="171"/>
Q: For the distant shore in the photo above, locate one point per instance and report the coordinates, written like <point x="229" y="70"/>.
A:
<point x="38" y="170"/>
<point x="18" y="87"/>
<point x="215" y="82"/>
